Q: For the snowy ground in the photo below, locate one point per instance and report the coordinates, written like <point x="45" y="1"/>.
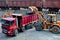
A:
<point x="31" y="34"/>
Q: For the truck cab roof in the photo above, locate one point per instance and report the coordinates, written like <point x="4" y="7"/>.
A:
<point x="51" y="14"/>
<point x="17" y="14"/>
<point x="9" y="19"/>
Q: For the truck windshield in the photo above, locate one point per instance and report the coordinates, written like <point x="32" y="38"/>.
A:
<point x="7" y="23"/>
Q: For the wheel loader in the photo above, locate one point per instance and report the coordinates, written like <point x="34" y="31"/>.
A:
<point x="50" y="22"/>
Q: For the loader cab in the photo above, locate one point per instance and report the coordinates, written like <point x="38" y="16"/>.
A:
<point x="51" y="18"/>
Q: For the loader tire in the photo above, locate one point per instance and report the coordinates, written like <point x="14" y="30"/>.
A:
<point x="55" y="30"/>
<point x="38" y="26"/>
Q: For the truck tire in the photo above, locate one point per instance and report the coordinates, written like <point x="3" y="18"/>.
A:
<point x="38" y="26"/>
<point x="23" y="29"/>
<point x="55" y="30"/>
<point x="29" y="26"/>
<point x="15" y="32"/>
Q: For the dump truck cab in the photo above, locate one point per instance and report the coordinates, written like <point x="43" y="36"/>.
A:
<point x="11" y="24"/>
<point x="7" y="21"/>
<point x="8" y="25"/>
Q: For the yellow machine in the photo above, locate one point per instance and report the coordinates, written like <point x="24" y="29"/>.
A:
<point x="49" y="23"/>
<point x="9" y="14"/>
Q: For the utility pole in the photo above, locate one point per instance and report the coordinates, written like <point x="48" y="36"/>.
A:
<point x="43" y="6"/>
<point x="6" y="3"/>
<point x="43" y="3"/>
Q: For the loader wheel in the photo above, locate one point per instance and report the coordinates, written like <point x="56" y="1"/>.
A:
<point x="55" y="30"/>
<point x="15" y="32"/>
<point x="38" y="26"/>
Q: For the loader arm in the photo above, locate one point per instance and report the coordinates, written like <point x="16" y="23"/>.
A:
<point x="40" y="16"/>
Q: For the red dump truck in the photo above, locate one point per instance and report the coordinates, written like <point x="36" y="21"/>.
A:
<point x="19" y="22"/>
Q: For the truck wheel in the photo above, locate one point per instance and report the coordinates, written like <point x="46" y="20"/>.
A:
<point x="23" y="29"/>
<point x="15" y="32"/>
<point x="29" y="26"/>
<point x="55" y="29"/>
